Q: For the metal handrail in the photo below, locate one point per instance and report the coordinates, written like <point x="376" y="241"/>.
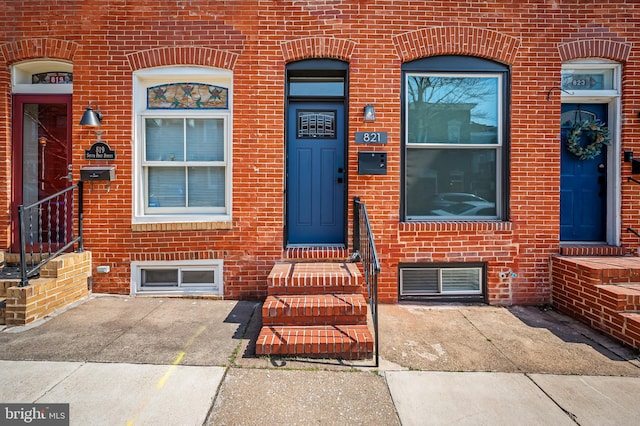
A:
<point x="366" y="253"/>
<point x="36" y="219"/>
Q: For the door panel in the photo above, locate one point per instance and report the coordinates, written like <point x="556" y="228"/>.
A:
<point x="41" y="157"/>
<point x="582" y="182"/>
<point x="315" y="162"/>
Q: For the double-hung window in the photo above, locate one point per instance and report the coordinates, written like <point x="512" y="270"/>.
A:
<point x="183" y="165"/>
<point x="455" y="111"/>
<point x="183" y="145"/>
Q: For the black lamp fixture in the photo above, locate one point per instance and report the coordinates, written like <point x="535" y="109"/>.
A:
<point x="91" y="118"/>
<point x="369" y="113"/>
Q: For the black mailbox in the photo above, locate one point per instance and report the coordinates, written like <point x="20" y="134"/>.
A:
<point x="372" y="163"/>
<point x="96" y="173"/>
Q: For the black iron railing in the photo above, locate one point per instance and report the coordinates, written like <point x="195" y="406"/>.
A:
<point x="47" y="229"/>
<point x="633" y="231"/>
<point x="364" y="250"/>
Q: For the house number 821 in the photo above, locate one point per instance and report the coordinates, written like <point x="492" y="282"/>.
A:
<point x="371" y="137"/>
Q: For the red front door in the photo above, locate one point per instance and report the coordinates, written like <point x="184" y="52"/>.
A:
<point x="41" y="156"/>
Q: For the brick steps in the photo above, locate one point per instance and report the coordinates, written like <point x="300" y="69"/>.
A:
<point x="631" y="325"/>
<point x="331" y="341"/>
<point x="603" y="292"/>
<point x="315" y="310"/>
<point x="622" y="297"/>
<point x="591" y="250"/>
<point x="314" y="278"/>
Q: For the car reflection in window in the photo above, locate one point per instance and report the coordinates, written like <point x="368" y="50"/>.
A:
<point x="467" y="208"/>
<point x="446" y="199"/>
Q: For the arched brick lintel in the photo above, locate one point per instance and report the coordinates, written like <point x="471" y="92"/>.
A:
<point x="38" y="48"/>
<point x="435" y="41"/>
<point x="594" y="48"/>
<point x="182" y="55"/>
<point x="317" y="47"/>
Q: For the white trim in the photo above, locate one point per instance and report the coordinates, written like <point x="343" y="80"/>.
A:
<point x="612" y="98"/>
<point x="146" y="78"/>
<point x="216" y="265"/>
<point x="21" y="77"/>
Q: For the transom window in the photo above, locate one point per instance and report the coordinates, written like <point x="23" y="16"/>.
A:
<point x="183" y="145"/>
<point x="454" y="111"/>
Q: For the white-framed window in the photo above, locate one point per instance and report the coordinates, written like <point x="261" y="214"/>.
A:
<point x="186" y="277"/>
<point x="183" y="145"/>
<point x="588" y="78"/>
<point x="454" y="160"/>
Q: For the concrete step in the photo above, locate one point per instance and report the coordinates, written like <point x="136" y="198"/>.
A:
<point x="314" y="278"/>
<point x="322" y="341"/>
<point x="315" y="309"/>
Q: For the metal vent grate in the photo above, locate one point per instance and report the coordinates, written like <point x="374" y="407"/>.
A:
<point x="440" y="281"/>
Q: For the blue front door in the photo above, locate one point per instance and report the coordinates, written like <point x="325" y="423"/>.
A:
<point x="315" y="173"/>
<point x="583" y="183"/>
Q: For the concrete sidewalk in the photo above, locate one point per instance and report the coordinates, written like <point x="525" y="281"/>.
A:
<point x="121" y="360"/>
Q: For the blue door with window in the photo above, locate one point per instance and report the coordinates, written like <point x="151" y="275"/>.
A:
<point x="583" y="183"/>
<point x="315" y="173"/>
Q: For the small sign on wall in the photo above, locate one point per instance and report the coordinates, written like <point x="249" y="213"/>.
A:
<point x="376" y="138"/>
<point x="99" y="151"/>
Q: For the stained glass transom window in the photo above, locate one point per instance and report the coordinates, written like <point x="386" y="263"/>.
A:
<point x="187" y="96"/>
<point x="316" y="124"/>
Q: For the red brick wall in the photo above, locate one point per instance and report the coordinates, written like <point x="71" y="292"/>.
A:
<point x="255" y="39"/>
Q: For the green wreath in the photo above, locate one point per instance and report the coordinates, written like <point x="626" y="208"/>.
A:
<point x="593" y="132"/>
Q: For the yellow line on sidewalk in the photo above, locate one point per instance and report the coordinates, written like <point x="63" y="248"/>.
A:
<point x="164" y="378"/>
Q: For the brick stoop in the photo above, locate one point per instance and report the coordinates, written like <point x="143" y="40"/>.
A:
<point x="315" y="310"/>
<point x="603" y="292"/>
<point x="314" y="341"/>
<point x="591" y="250"/>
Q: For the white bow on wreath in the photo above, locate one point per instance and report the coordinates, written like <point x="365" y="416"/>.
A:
<point x="586" y="138"/>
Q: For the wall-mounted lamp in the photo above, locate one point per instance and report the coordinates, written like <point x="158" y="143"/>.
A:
<point x="369" y="113"/>
<point x="91" y="118"/>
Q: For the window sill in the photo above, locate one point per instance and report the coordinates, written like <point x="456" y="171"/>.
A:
<point x="182" y="226"/>
<point x="456" y="225"/>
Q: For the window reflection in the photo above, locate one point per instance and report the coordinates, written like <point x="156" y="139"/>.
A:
<point x="452" y="110"/>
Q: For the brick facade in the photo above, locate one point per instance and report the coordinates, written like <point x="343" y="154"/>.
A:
<point x="107" y="43"/>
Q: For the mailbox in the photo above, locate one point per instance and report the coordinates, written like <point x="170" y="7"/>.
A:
<point x="372" y="163"/>
<point x="98" y="173"/>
